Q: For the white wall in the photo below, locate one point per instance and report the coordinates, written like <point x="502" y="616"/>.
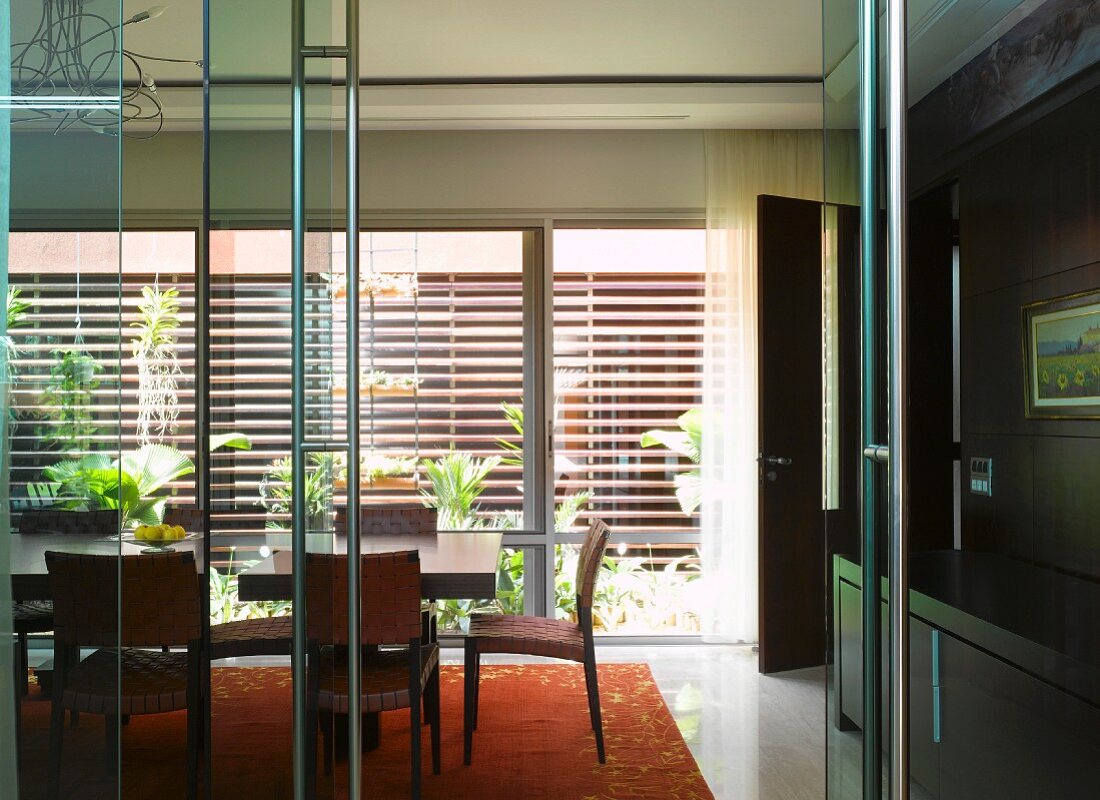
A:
<point x="402" y="171"/>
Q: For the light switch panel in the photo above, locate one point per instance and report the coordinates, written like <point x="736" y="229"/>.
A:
<point x="981" y="476"/>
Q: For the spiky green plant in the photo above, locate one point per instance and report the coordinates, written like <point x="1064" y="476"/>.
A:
<point x="457" y="482"/>
<point x="277" y="494"/>
<point x="156" y="353"/>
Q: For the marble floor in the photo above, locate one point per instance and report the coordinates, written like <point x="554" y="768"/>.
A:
<point x="755" y="737"/>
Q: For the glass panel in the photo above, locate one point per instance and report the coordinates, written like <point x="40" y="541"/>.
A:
<point x="852" y="331"/>
<point x="63" y="374"/>
<point x="628" y="333"/>
<point x="250" y="368"/>
<point x="1004" y="177"/>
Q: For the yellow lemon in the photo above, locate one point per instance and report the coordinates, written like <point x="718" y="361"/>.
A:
<point x="179" y="532"/>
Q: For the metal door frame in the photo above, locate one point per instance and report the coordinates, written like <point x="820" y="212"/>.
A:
<point x="895" y="454"/>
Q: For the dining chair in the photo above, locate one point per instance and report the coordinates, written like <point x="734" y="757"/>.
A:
<point x="36" y="616"/>
<point x="128" y="674"/>
<point x="189" y="518"/>
<point x="395" y="520"/>
<point x="391" y="679"/>
<point x="264" y="636"/>
<point x="540" y="636"/>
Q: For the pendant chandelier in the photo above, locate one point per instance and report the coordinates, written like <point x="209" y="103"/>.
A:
<point x="68" y="72"/>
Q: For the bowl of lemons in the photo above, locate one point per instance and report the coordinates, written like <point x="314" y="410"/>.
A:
<point x="160" y="538"/>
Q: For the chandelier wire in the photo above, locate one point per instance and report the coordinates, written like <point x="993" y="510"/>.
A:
<point x="77" y="56"/>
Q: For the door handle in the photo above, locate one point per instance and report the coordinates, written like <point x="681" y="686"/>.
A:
<point x="781" y="461"/>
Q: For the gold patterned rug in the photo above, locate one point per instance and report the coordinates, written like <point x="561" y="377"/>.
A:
<point x="533" y="741"/>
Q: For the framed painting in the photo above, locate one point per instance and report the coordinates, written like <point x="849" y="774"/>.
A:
<point x="1062" y="357"/>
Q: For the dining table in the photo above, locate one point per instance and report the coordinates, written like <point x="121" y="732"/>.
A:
<point x="453" y="565"/>
<point x="27" y="556"/>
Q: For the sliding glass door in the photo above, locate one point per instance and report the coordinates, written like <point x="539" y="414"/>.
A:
<point x="964" y="580"/>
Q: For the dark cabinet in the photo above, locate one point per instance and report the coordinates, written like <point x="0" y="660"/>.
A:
<point x="924" y="756"/>
<point x="1007" y="735"/>
<point x="1004" y="732"/>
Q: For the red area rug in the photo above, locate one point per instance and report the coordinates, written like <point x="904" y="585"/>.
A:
<point x="533" y="741"/>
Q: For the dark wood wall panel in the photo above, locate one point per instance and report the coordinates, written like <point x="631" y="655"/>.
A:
<point x="1066" y="189"/>
<point x="1029" y="230"/>
<point x="995" y="219"/>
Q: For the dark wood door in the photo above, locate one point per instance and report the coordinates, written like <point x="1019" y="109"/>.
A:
<point x="793" y="560"/>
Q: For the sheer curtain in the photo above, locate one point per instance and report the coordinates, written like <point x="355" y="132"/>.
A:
<point x="740" y="166"/>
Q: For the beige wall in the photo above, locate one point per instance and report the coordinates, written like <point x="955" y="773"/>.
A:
<point x="423" y="171"/>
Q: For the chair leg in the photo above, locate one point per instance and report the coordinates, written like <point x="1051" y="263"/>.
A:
<point x="194" y="727"/>
<point x="594" y="705"/>
<point x="414" y="738"/>
<point x="18" y="707"/>
<point x="433" y="683"/>
<point x="73" y="658"/>
<point x="313" y="683"/>
<point x="328" y="751"/>
<point x="110" y="741"/>
<point x="477" y="688"/>
<point x="57" y="733"/>
<point x="469" y="699"/>
<point x="24" y="664"/>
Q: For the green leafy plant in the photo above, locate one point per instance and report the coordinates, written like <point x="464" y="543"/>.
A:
<point x="225" y="602"/>
<point x="156" y="353"/>
<point x="374" y="466"/>
<point x="17" y="318"/>
<point x="129" y="484"/>
<point x="277" y="495"/>
<point x="68" y="400"/>
<point x="454" y="615"/>
<point x="457" y="481"/>
<point x="513" y="415"/>
<point x="688" y="443"/>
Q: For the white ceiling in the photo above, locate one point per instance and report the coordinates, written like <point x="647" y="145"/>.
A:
<point x="567" y="64"/>
<point x="506" y="39"/>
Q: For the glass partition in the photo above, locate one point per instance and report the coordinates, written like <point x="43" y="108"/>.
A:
<point x="995" y="693"/>
<point x="73" y="396"/>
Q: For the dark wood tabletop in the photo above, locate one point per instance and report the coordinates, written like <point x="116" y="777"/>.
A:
<point x="29" y="579"/>
<point x="460" y="566"/>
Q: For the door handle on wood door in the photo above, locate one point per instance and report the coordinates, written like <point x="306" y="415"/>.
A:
<point x="781" y="461"/>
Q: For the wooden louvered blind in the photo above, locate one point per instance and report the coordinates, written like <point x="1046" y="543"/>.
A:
<point x="628" y="347"/>
<point x="631" y="350"/>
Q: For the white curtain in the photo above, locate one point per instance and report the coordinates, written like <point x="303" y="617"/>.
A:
<point x="740" y="166"/>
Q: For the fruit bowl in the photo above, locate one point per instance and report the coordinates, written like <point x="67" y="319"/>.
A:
<point x="157" y="538"/>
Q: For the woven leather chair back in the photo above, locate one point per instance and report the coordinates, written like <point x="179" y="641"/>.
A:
<point x="190" y="519"/>
<point x="389" y="520"/>
<point x="159" y="599"/>
<point x="56" y="520"/>
<point x="390" y="607"/>
<point x="588" y="565"/>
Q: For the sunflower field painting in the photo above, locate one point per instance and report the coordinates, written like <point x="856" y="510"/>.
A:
<point x="1063" y="357"/>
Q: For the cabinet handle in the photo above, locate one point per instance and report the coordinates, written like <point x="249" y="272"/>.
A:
<point x="935" y="686"/>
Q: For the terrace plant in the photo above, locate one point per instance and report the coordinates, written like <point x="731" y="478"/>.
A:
<point x="687" y="443"/>
<point x="69" y="399"/>
<point x="17" y="309"/>
<point x="457" y="481"/>
<point x="156" y="354"/>
<point x="277" y="494"/>
<point x="130" y="483"/>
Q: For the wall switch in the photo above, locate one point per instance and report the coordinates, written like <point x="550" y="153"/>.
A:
<point x="981" y="476"/>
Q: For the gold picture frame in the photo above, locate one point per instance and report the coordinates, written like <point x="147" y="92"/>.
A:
<point x="1061" y="340"/>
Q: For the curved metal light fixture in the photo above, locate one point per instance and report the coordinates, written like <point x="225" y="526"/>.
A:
<point x="68" y="70"/>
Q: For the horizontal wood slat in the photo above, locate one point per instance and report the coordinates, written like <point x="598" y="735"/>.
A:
<point x="630" y="346"/>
